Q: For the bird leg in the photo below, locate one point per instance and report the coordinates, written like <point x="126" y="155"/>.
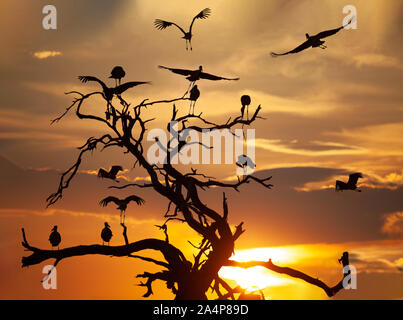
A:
<point x="190" y="107"/>
<point x="247" y="112"/>
<point x="190" y="86"/>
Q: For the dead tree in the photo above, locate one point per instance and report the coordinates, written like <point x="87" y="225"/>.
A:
<point x="188" y="279"/>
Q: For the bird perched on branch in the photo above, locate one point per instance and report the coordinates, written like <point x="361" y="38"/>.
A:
<point x="313" y="41"/>
<point x="106" y="233"/>
<point x="109" y="92"/>
<point x="122" y="204"/>
<point x="117" y="73"/>
<point x="245" y="101"/>
<point x="194" y="95"/>
<point x="351" y="183"/>
<point x="55" y="238"/>
<point x="111" y="174"/>
<point x="194" y="75"/>
<point x="162" y="24"/>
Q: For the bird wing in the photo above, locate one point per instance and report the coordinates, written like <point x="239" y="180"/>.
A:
<point x="327" y="33"/>
<point x="331" y="32"/>
<point x="136" y="199"/>
<point x="106" y="201"/>
<point x="204" y="14"/>
<point x="209" y="76"/>
<point x="102" y="173"/>
<point x="123" y="87"/>
<point x="182" y="72"/>
<point x="301" y="47"/>
<point x="162" y="24"/>
<point x="85" y="79"/>
<point x="353" y="178"/>
<point x="115" y="170"/>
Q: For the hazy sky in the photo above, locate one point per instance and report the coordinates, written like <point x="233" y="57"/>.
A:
<point x="328" y="113"/>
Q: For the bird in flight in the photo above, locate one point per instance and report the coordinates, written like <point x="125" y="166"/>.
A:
<point x="313" y="41"/>
<point x="122" y="204"/>
<point x="117" y="73"/>
<point x="106" y="233"/>
<point x="111" y="174"/>
<point x="194" y="75"/>
<point x="55" y="237"/>
<point x="351" y="183"/>
<point x="162" y="24"/>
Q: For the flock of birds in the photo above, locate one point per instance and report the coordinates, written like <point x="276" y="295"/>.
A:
<point x="118" y="73"/>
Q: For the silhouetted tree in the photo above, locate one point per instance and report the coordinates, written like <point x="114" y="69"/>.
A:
<point x="188" y="279"/>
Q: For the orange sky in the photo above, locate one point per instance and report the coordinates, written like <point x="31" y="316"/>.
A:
<point x="328" y="113"/>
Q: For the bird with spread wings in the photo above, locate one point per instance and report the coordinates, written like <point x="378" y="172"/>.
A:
<point x="313" y="41"/>
<point x="109" y="92"/>
<point x="122" y="204"/>
<point x="194" y="75"/>
<point x="162" y="24"/>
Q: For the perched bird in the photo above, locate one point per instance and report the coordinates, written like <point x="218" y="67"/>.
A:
<point x="106" y="233"/>
<point x="313" y="41"/>
<point x="245" y="101"/>
<point x="244" y="162"/>
<point x="122" y="204"/>
<point x="194" y="75"/>
<point x="117" y="73"/>
<point x="351" y="183"/>
<point x="194" y="95"/>
<point x="109" y="92"/>
<point x="102" y="173"/>
<point x="162" y="24"/>
<point x="55" y="238"/>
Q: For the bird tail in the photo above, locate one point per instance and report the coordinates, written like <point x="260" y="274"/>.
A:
<point x="162" y="67"/>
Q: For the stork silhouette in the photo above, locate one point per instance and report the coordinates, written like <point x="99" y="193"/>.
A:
<point x="122" y="204"/>
<point x="245" y="101"/>
<point x="162" y="24"/>
<point x="106" y="233"/>
<point x="109" y="92"/>
<point x="117" y="73"/>
<point x="195" y="75"/>
<point x="194" y="95"/>
<point x="351" y="183"/>
<point x="55" y="238"/>
<point x="313" y="41"/>
<point x="111" y="174"/>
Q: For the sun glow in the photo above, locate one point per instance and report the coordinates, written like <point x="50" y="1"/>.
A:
<point x="258" y="278"/>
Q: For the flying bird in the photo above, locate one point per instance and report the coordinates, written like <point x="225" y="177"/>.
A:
<point x="351" y="183"/>
<point x="313" y="41"/>
<point x="245" y="101"/>
<point x="194" y="95"/>
<point x="194" y="75"/>
<point x="109" y="92"/>
<point x="117" y="73"/>
<point x="122" y="204"/>
<point x="111" y="174"/>
<point x="106" y="233"/>
<point x="55" y="238"/>
<point x="162" y="24"/>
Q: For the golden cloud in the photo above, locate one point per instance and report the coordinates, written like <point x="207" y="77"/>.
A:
<point x="46" y="54"/>
<point x="393" y="224"/>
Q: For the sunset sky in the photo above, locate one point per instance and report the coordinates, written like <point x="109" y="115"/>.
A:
<point x="327" y="113"/>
